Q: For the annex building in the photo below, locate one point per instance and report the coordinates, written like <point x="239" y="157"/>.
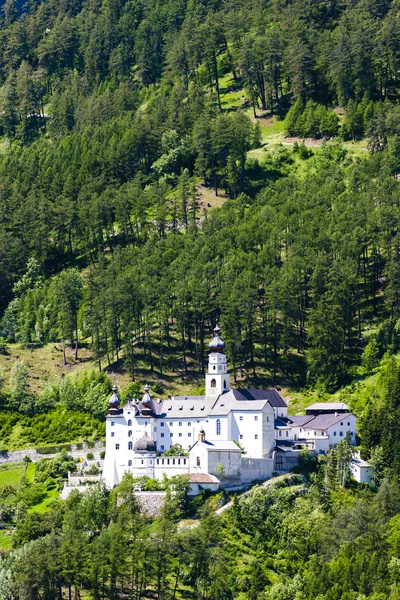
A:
<point x="241" y="430"/>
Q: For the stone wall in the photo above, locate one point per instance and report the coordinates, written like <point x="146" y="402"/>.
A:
<point x="151" y="503"/>
<point x="34" y="455"/>
<point x="256" y="469"/>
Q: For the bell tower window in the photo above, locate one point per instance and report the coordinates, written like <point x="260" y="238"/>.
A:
<point x="218" y="424"/>
<point x="213" y="383"/>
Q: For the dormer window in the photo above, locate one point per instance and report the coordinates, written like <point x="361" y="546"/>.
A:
<point x="181" y="408"/>
<point x="130" y="423"/>
<point x="202" y="408"/>
<point x="192" y="408"/>
<point x="169" y="407"/>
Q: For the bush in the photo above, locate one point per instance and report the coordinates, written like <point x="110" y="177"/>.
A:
<point x="102" y="454"/>
<point x="90" y="456"/>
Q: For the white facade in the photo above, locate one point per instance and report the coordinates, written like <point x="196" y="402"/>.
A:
<point x="360" y="469"/>
<point x="233" y="425"/>
<point x="319" y="432"/>
<point x="217" y="378"/>
<point x="224" y="416"/>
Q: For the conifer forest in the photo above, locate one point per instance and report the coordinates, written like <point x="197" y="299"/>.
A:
<point x="166" y="165"/>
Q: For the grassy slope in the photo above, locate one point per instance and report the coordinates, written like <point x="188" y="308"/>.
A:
<point x="11" y="474"/>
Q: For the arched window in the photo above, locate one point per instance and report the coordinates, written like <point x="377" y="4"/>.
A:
<point x="130" y="423"/>
<point x="130" y="433"/>
<point x="198" y="461"/>
<point x="213" y="383"/>
<point x="218" y="427"/>
<point x="130" y="446"/>
<point x="224" y="384"/>
<point x="129" y="463"/>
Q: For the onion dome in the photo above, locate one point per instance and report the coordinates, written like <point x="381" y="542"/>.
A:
<point x="145" y="444"/>
<point x="217" y="345"/>
<point x="114" y="400"/>
<point x="146" y="400"/>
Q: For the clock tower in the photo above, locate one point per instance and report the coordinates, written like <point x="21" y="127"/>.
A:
<point x="217" y="378"/>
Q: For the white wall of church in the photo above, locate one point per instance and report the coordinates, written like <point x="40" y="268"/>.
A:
<point x="246" y="427"/>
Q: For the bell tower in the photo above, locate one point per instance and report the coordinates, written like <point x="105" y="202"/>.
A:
<point x="217" y="378"/>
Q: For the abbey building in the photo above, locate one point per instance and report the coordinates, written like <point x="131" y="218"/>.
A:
<point x="240" y="430"/>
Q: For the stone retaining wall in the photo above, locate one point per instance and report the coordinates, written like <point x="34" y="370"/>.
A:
<point x="151" y="503"/>
<point x="34" y="455"/>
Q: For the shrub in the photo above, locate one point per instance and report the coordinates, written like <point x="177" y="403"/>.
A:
<point x="90" y="456"/>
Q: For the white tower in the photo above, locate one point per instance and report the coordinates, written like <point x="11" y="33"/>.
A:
<point x="217" y="378"/>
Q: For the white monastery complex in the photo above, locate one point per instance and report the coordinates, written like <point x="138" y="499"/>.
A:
<point x="240" y="435"/>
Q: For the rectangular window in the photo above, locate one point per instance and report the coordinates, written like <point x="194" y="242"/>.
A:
<point x="173" y="461"/>
<point x="112" y="434"/>
<point x="287" y="434"/>
<point x="255" y="418"/>
<point x="256" y="437"/>
<point x="112" y="423"/>
<point x="341" y="434"/>
<point x="267" y="419"/>
<point x="280" y="433"/>
<point x="179" y="461"/>
<point x="142" y="462"/>
<point x="348" y="423"/>
<point x="158" y="461"/>
<point x="240" y="418"/>
<point x="167" y="461"/>
<point x="240" y="436"/>
<point x="171" y="434"/>
<point x="179" y="435"/>
<point x="170" y="424"/>
<point x="189" y="435"/>
<point x="341" y="423"/>
<point x="155" y="429"/>
<point x="334" y="433"/>
<point x="162" y="460"/>
<point x="184" y="461"/>
<point x="180" y="424"/>
<point x="189" y="423"/>
<point x="161" y="424"/>
<point x="117" y="446"/>
<point x="162" y="435"/>
<point x="162" y="448"/>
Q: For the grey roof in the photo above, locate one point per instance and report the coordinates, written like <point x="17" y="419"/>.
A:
<point x="301" y="421"/>
<point x="328" y="406"/>
<point x="227" y="402"/>
<point x="226" y="445"/>
<point x="185" y="407"/>
<point x="145" y="444"/>
<point x="200" y="406"/>
<point x="326" y="421"/>
<point x="273" y="396"/>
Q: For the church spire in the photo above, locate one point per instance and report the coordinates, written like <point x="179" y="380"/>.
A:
<point x="217" y="378"/>
<point x="216" y="344"/>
